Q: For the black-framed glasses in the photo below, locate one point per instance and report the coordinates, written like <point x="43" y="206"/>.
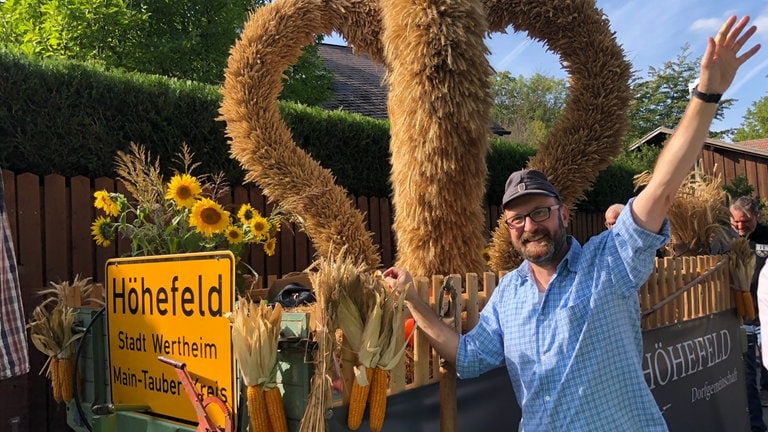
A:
<point x="537" y="215"/>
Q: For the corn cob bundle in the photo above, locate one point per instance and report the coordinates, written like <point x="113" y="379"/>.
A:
<point x="392" y="350"/>
<point x="51" y="333"/>
<point x="362" y="327"/>
<point x="741" y="263"/>
<point x="255" y="331"/>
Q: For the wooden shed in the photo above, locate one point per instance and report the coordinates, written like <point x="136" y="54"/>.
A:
<point x="730" y="160"/>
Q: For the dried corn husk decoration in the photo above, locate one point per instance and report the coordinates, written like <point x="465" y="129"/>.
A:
<point x="359" y="317"/>
<point x="392" y="350"/>
<point x="741" y="263"/>
<point x="255" y="332"/>
<point x="51" y="332"/>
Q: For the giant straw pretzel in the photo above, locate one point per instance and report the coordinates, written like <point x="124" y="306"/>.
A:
<point x="439" y="105"/>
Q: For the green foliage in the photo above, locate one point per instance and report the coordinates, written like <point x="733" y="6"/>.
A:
<point x="613" y="184"/>
<point x="755" y="124"/>
<point x="308" y="81"/>
<point x="504" y="158"/>
<point x="527" y="107"/>
<point x="738" y="187"/>
<point x="103" y="30"/>
<point x="640" y="159"/>
<point x="71" y="118"/>
<point x="661" y="99"/>
<point x="353" y="147"/>
<point x="188" y="40"/>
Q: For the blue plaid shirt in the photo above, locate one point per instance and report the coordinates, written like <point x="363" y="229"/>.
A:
<point x="574" y="358"/>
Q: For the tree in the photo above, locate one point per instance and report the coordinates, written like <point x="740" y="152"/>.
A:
<point x="187" y="39"/>
<point x="308" y="81"/>
<point x="102" y="30"/>
<point x="738" y="187"/>
<point x="527" y="107"/>
<point x="755" y="124"/>
<point x="661" y="99"/>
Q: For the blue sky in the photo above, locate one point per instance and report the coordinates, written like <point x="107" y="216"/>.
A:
<point x="652" y="32"/>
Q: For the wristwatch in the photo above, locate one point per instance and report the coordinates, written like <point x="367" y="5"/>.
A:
<point x="706" y="97"/>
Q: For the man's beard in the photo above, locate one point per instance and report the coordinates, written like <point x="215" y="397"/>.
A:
<point x="541" y="246"/>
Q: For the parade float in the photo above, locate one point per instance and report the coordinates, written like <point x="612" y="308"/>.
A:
<point x="182" y="344"/>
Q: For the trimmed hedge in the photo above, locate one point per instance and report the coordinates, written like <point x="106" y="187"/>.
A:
<point x="71" y="118"/>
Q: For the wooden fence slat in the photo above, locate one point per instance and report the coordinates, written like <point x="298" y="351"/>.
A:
<point x="472" y="301"/>
<point x="57" y="221"/>
<point x="83" y="257"/>
<point x="421" y="347"/>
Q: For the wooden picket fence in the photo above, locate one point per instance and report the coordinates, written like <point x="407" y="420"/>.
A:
<point x="679" y="289"/>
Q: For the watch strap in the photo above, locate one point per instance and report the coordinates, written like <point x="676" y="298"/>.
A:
<point x="706" y="97"/>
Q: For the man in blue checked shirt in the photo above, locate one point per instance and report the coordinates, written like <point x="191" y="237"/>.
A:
<point x="566" y="323"/>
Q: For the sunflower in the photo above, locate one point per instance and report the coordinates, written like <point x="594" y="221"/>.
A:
<point x="269" y="246"/>
<point x="274" y="229"/>
<point x="105" y="202"/>
<point x="184" y="189"/>
<point x="208" y="216"/>
<point x="247" y="213"/>
<point x="101" y="229"/>
<point x="233" y="234"/>
<point x="259" y="226"/>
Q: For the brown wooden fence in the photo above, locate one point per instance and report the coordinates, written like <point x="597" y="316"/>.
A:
<point x="50" y="219"/>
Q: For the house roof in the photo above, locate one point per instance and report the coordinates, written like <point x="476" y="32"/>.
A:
<point x="360" y="86"/>
<point x="659" y="135"/>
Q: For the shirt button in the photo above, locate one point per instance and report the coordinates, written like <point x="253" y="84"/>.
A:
<point x="546" y="398"/>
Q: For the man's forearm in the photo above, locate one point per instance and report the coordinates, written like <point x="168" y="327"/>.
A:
<point x="442" y="337"/>
<point x="674" y="164"/>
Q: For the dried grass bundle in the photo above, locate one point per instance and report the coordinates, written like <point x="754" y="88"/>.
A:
<point x="332" y="279"/>
<point x="271" y="40"/>
<point x="697" y="216"/>
<point x="439" y="111"/>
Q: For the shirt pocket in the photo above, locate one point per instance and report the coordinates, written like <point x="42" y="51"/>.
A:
<point x="570" y="325"/>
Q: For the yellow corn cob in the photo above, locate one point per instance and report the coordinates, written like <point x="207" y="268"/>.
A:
<point x="749" y="306"/>
<point x="358" y="397"/>
<point x="257" y="409"/>
<point x="739" y="300"/>
<point x="377" y="399"/>
<point x="53" y="369"/>
<point x="275" y="410"/>
<point x="66" y="378"/>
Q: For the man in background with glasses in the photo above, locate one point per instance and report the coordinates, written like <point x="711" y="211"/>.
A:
<point x="566" y="322"/>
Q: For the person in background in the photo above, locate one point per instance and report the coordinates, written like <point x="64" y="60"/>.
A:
<point x="566" y="322"/>
<point x="612" y="213"/>
<point x="744" y="212"/>
<point x="14" y="359"/>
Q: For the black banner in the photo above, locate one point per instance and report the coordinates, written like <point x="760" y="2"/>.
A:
<point x="696" y="374"/>
<point x="694" y="370"/>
